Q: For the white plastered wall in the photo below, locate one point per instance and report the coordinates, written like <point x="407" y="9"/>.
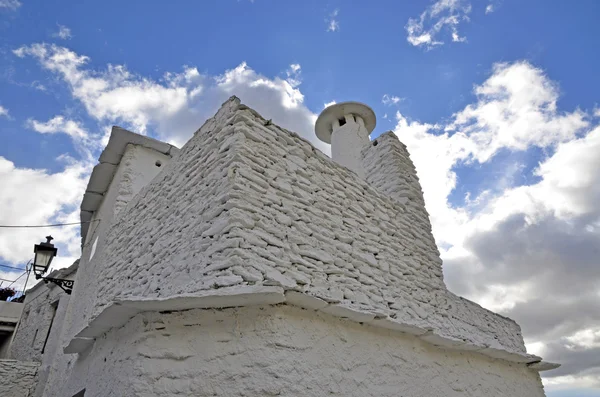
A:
<point x="282" y="351"/>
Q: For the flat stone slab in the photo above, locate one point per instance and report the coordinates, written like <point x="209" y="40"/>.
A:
<point x="219" y="298"/>
<point x="305" y="301"/>
<point x="543" y="366"/>
<point x="78" y="345"/>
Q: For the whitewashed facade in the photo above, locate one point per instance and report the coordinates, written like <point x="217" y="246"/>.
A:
<point x="251" y="264"/>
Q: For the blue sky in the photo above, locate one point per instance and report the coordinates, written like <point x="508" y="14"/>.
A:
<point x="497" y="102"/>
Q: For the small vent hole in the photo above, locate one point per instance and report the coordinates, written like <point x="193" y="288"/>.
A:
<point x="158" y="163"/>
<point x="375" y="143"/>
<point x="342" y="121"/>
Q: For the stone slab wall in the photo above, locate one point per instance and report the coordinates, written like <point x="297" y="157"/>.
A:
<point x="161" y="241"/>
<point x="390" y="170"/>
<point x="283" y="351"/>
<point x="17" y="378"/>
<point x="314" y="226"/>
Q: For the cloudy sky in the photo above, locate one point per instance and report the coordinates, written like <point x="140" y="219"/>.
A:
<point x="497" y="101"/>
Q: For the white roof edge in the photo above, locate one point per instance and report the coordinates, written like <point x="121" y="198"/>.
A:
<point x="108" y="162"/>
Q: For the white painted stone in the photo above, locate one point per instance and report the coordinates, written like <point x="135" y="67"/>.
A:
<point x="114" y="315"/>
<point x="219" y="298"/>
<point x="439" y="340"/>
<point x="395" y="325"/>
<point x="349" y="312"/>
<point x="78" y="345"/>
<point x="543" y="366"/>
<point x="304" y="301"/>
<point x="17" y="378"/>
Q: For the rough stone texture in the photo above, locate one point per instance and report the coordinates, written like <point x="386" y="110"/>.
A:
<point x="249" y="203"/>
<point x="156" y="246"/>
<point x="17" y="378"/>
<point x="40" y="310"/>
<point x="390" y="170"/>
<point x="281" y="351"/>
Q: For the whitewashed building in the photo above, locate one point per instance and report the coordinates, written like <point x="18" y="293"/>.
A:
<point x="249" y="263"/>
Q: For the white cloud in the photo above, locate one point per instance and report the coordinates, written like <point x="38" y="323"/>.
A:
<point x="293" y="74"/>
<point x="58" y="124"/>
<point x="440" y="16"/>
<point x="4" y="111"/>
<point x="489" y="9"/>
<point x="63" y="33"/>
<point x="38" y="197"/>
<point x="390" y="99"/>
<point x="85" y="143"/>
<point x="10" y="4"/>
<point x="333" y="24"/>
<point x="515" y="109"/>
<point x="175" y="106"/>
<point x="326" y="105"/>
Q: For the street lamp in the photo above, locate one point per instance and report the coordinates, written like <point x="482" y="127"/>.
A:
<point x="44" y="253"/>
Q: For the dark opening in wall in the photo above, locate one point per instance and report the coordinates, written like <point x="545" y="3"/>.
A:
<point x="81" y="393"/>
<point x="34" y="338"/>
<point x="53" y="308"/>
<point x="375" y="143"/>
<point x="342" y="121"/>
<point x="158" y="163"/>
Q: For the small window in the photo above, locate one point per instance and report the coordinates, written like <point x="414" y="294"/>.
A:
<point x="342" y="121"/>
<point x="158" y="163"/>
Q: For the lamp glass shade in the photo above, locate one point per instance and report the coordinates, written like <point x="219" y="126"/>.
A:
<point x="43" y="258"/>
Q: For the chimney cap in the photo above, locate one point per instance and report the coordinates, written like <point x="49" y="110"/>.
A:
<point x="323" y="126"/>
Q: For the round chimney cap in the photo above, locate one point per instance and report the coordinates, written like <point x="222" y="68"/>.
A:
<point x="323" y="126"/>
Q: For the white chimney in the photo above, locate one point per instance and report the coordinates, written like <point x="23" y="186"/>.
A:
<point x="346" y="126"/>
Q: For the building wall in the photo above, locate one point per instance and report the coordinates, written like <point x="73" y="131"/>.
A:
<point x="17" y="378"/>
<point x="38" y="314"/>
<point x="53" y="349"/>
<point x="136" y="169"/>
<point x="249" y="203"/>
<point x="281" y="351"/>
